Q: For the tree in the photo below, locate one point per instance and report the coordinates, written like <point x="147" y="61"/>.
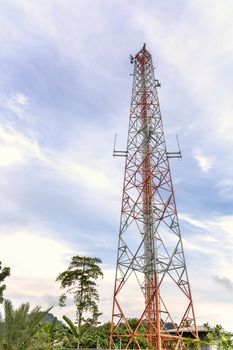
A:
<point x="19" y="327"/>
<point x="79" y="280"/>
<point x="218" y="336"/>
<point x="4" y="272"/>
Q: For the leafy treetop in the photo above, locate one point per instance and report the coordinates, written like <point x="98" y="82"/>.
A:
<point x="79" y="280"/>
<point x="219" y="337"/>
<point x="4" y="272"/>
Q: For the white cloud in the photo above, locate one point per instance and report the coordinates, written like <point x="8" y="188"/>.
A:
<point x="10" y="155"/>
<point x="205" y="163"/>
<point x="16" y="103"/>
<point x="214" y="238"/>
<point x="192" y="221"/>
<point x="224" y="281"/>
<point x="31" y="254"/>
<point x="225" y="188"/>
<point x="208" y="245"/>
<point x="17" y="148"/>
<point x="225" y="128"/>
<point x="212" y="311"/>
<point x="35" y="259"/>
<point x="201" y="65"/>
<point x="83" y="174"/>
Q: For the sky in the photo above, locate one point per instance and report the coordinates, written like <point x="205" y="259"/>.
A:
<point x="65" y="89"/>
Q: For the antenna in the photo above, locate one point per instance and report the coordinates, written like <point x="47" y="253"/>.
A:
<point x="178" y="144"/>
<point x="131" y="58"/>
<point x="118" y="153"/>
<point x="178" y="154"/>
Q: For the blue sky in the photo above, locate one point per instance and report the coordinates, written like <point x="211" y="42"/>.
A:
<point x="65" y="89"/>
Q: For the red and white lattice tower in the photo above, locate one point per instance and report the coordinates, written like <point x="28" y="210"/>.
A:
<point x="152" y="291"/>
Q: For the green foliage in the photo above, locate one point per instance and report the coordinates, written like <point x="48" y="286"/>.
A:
<point x="79" y="280"/>
<point x="19" y="327"/>
<point x="72" y="327"/>
<point x="59" y="335"/>
<point x="103" y="332"/>
<point x="40" y="341"/>
<point x="4" y="272"/>
<point x="89" y="337"/>
<point x="219" y="337"/>
<point x="123" y="329"/>
<point x="67" y="336"/>
<point x="77" y="334"/>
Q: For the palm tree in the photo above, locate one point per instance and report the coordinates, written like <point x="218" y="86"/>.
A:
<point x="18" y="326"/>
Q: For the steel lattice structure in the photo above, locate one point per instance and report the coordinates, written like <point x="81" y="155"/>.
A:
<point x="151" y="282"/>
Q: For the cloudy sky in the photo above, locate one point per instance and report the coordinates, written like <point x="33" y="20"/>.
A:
<point x="65" y="89"/>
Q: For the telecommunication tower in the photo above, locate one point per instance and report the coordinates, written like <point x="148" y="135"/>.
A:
<point x="152" y="303"/>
